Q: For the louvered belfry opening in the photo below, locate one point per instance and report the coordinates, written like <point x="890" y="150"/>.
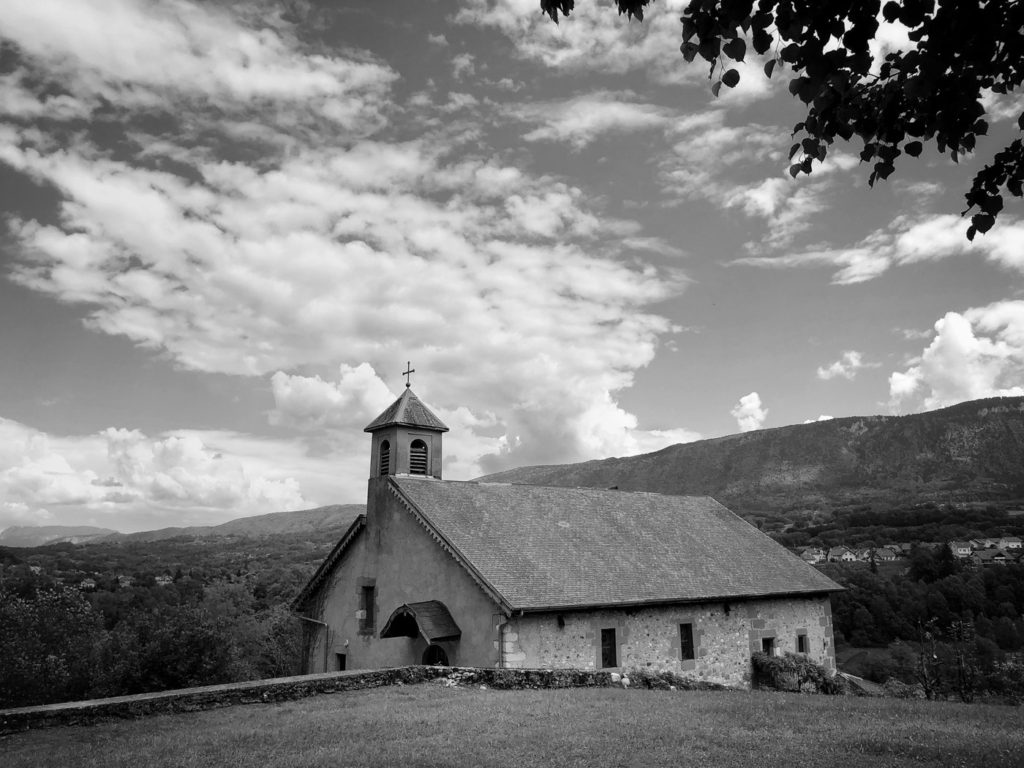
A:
<point x="418" y="458"/>
<point x="407" y="440"/>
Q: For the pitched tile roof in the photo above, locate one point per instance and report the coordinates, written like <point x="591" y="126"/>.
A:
<point x="539" y="547"/>
<point x="990" y="554"/>
<point x="409" y="411"/>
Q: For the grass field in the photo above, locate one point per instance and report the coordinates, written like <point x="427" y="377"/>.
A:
<point x="431" y="725"/>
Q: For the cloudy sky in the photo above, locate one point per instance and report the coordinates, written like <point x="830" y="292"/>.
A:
<point x="227" y="227"/>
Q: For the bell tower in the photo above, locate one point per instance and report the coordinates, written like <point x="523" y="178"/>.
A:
<point x="406" y="438"/>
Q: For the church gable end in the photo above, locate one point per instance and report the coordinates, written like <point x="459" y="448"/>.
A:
<point x="397" y="557"/>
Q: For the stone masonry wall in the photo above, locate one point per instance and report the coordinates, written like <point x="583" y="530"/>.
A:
<point x="724" y="634"/>
<point x="282" y="689"/>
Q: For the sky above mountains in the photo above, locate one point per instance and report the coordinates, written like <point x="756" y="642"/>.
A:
<point x="229" y="225"/>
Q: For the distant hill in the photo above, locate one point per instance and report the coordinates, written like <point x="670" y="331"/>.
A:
<point x="37" y="536"/>
<point x="969" y="452"/>
<point x="258" y="526"/>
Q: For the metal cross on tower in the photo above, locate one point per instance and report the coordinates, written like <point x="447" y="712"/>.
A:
<point x="407" y="372"/>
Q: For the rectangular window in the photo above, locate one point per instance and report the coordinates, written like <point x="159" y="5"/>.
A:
<point x="801" y="643"/>
<point x="609" y="650"/>
<point x="768" y="645"/>
<point x="366" y="603"/>
<point x="686" y="649"/>
<point x="341" y="661"/>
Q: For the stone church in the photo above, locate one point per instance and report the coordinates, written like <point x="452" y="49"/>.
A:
<point x="506" y="575"/>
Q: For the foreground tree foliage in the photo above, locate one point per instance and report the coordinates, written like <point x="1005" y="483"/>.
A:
<point x="54" y="644"/>
<point x="111" y="618"/>
<point x="46" y="645"/>
<point x="933" y="92"/>
<point x="953" y="631"/>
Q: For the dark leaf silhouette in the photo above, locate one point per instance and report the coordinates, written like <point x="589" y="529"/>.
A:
<point x="930" y="92"/>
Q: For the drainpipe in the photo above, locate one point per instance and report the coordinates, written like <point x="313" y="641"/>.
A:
<point x="327" y="631"/>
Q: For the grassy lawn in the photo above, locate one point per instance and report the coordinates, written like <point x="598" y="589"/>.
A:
<point x="430" y="725"/>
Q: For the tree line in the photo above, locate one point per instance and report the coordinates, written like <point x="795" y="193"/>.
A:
<point x="225" y="618"/>
<point x="868" y="526"/>
<point x="109" y="619"/>
<point x="947" y="627"/>
<point x="58" y="643"/>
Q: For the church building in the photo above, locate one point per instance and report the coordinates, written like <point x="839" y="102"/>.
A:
<point x="512" y="576"/>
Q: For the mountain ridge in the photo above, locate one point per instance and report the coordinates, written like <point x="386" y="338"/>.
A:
<point x="971" y="451"/>
<point x="38" y="535"/>
<point x="255" y="526"/>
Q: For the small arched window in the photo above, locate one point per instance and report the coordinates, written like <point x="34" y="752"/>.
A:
<point x="418" y="458"/>
<point x="385" y="457"/>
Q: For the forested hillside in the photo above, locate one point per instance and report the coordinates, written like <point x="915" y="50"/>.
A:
<point x="38" y="535"/>
<point x="969" y="452"/>
<point x="118" y="617"/>
<point x="272" y="524"/>
<point x="933" y="620"/>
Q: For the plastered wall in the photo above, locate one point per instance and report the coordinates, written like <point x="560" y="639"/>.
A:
<point x="725" y="635"/>
<point x="397" y="556"/>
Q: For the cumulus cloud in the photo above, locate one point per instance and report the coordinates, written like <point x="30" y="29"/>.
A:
<point x="284" y="229"/>
<point x="581" y="120"/>
<point x="182" y="470"/>
<point x="656" y="439"/>
<point x="254" y="272"/>
<point x="749" y="413"/>
<point x="707" y="142"/>
<point x="1002" y="106"/>
<point x="845" y="367"/>
<point x="182" y="478"/>
<point x="136" y="54"/>
<point x="463" y="65"/>
<point x="738" y="164"/>
<point x="907" y="241"/>
<point x="652" y="245"/>
<point x="823" y="417"/>
<point x="888" y="38"/>
<point x="594" y="38"/>
<point x="541" y="421"/>
<point x="310" y="403"/>
<point x="976" y="353"/>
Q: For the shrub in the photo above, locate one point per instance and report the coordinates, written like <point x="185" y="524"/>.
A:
<point x="900" y="690"/>
<point x="1005" y="681"/>
<point x="793" y="672"/>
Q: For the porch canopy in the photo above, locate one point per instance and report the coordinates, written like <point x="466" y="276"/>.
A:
<point x="429" y="620"/>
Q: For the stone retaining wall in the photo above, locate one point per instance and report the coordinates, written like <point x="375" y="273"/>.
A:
<point x="283" y="689"/>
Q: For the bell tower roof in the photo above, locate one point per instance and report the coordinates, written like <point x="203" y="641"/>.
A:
<point x="407" y="411"/>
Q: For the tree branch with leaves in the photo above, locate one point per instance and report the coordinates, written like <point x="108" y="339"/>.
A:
<point x="933" y="92"/>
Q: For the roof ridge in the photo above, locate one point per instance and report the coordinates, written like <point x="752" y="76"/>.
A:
<point x="595" y="489"/>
